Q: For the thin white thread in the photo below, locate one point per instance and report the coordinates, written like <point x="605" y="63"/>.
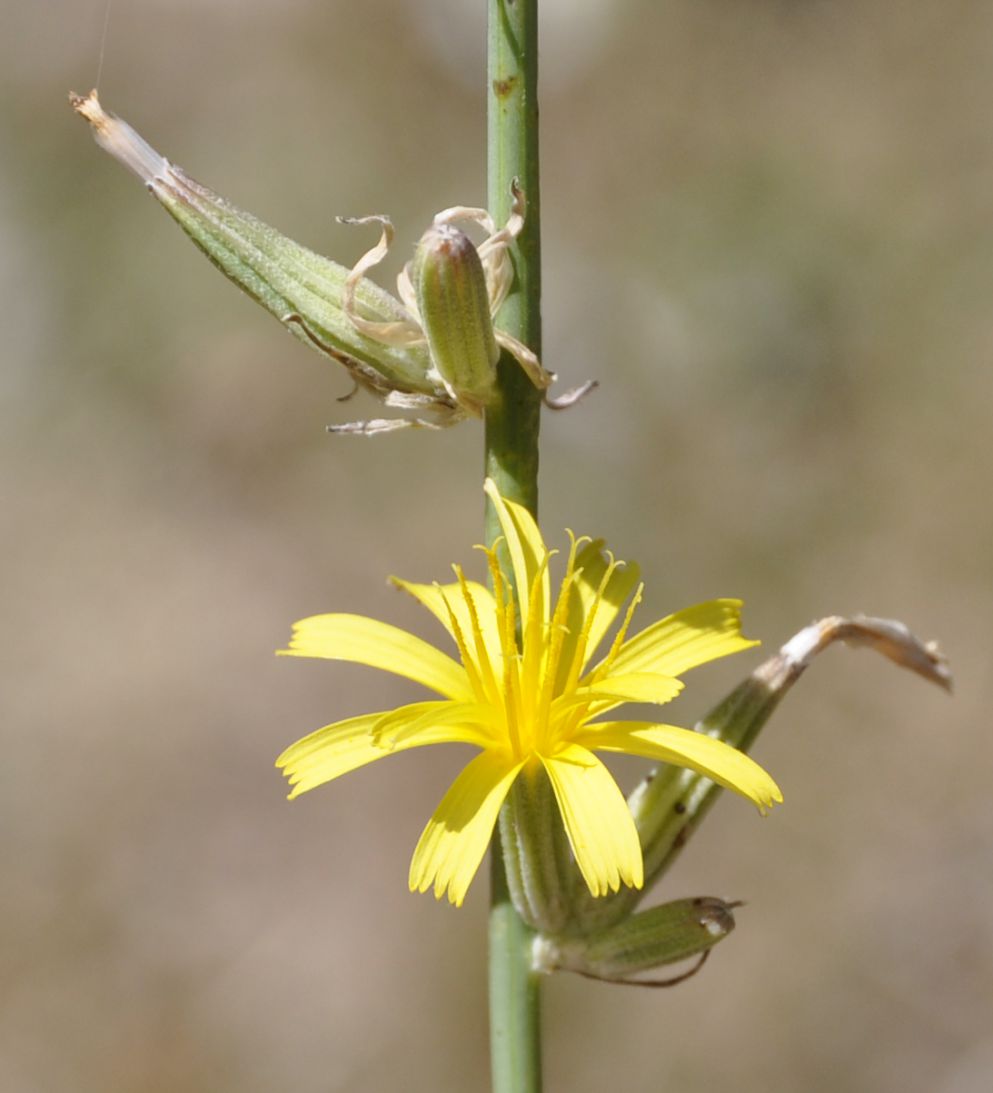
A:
<point x="103" y="42"/>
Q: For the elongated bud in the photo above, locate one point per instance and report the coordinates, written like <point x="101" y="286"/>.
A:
<point x="454" y="306"/>
<point x="650" y="939"/>
<point x="304" y="290"/>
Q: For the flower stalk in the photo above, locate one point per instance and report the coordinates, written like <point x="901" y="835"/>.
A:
<point x="511" y="461"/>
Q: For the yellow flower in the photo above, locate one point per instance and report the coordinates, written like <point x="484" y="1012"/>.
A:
<point x="525" y="695"/>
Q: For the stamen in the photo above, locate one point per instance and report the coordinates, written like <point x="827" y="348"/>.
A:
<point x="467" y="661"/>
<point x="582" y="641"/>
<point x="556" y="639"/>
<point x="619" y="637"/>
<point x="489" y="682"/>
<point x="534" y="640"/>
<point x="507" y="631"/>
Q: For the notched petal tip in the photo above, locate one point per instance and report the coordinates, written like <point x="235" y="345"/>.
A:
<point x="766" y="802"/>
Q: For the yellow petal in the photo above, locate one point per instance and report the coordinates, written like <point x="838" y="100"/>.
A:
<point x="453" y="722"/>
<point x="684" y="640"/>
<point x="718" y="761"/>
<point x="457" y="835"/>
<point x="433" y="597"/>
<point x="366" y="641"/>
<point x="526" y="548"/>
<point x="347" y="745"/>
<point x="597" y="820"/>
<point x="634" y="687"/>
<point x="330" y="752"/>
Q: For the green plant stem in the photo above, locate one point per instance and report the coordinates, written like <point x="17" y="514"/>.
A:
<point x="512" y="152"/>
<point x="511" y="460"/>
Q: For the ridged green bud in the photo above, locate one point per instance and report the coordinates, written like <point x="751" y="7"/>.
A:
<point x="454" y="309"/>
<point x="650" y="939"/>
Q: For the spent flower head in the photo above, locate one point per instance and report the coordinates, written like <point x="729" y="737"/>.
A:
<point x="450" y="294"/>
<point x="432" y="352"/>
<point x="528" y="693"/>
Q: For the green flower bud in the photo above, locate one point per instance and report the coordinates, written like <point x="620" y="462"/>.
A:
<point x="650" y="939"/>
<point x="454" y="309"/>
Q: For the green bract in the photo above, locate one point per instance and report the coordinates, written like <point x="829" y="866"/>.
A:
<point x="666" y="934"/>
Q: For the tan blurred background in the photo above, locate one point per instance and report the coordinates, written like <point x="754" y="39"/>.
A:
<point x="769" y="233"/>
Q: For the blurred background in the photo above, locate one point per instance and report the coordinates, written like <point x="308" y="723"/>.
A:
<point x="768" y="232"/>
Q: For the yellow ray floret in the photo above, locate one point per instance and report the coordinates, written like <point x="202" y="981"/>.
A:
<point x="527" y="692"/>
